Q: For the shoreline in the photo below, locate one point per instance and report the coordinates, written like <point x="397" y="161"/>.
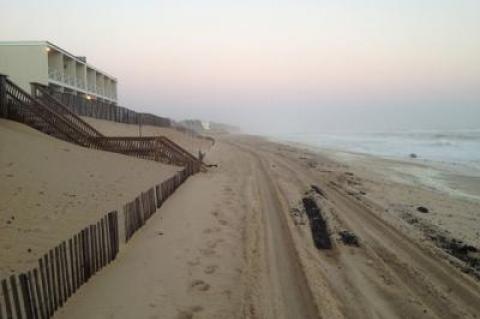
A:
<point x="455" y="179"/>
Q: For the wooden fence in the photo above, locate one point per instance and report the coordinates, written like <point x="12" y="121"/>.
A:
<point x="138" y="211"/>
<point x="40" y="292"/>
<point x="108" y="111"/>
<point x="112" y="112"/>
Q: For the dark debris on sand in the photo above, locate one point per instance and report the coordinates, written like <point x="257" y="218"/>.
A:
<point x="317" y="190"/>
<point x="457" y="248"/>
<point x="422" y="209"/>
<point x="349" y="238"/>
<point x="318" y="224"/>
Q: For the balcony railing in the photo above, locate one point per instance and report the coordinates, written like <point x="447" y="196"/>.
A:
<point x="70" y="80"/>
<point x="55" y="75"/>
<point x="59" y="76"/>
<point x="81" y="83"/>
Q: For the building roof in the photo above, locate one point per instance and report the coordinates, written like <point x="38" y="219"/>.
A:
<point x="57" y="48"/>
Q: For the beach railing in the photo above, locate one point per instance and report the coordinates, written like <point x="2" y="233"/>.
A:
<point x="109" y="111"/>
<point x="44" y="112"/>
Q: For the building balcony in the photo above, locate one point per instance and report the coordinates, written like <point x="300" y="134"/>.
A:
<point x="59" y="78"/>
<point x="55" y="75"/>
<point x="91" y="88"/>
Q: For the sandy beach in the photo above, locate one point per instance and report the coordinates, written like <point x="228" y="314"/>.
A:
<point x="241" y="245"/>
<point x="238" y="241"/>
<point x="240" y="159"/>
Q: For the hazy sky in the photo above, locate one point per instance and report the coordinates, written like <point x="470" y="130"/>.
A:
<point x="275" y="65"/>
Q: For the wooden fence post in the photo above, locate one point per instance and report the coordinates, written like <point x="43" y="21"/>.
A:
<point x="26" y="296"/>
<point x="107" y="239"/>
<point x="3" y="96"/>
<point x="67" y="270"/>
<point x="139" y="212"/>
<point x="53" y="281"/>
<point x="145" y="205"/>
<point x="45" y="292"/>
<point x="16" y="299"/>
<point x="153" y="200"/>
<point x="107" y="252"/>
<point x="111" y="232"/>
<point x="94" y="249"/>
<point x="40" y="304"/>
<point x="46" y="264"/>
<point x="33" y="300"/>
<point x="76" y="268"/>
<point x="6" y="296"/>
<point x="98" y="246"/>
<point x="85" y="260"/>
<point x="157" y="193"/>
<point x="117" y="242"/>
<point x="79" y="254"/>
<point x="81" y="265"/>
<point x="72" y="265"/>
<point x="88" y="254"/>
<point x="59" y="277"/>
<point x="62" y="272"/>
<point x="102" y="243"/>
<point x="127" y="221"/>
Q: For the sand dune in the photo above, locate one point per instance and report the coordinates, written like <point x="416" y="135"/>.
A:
<point x="51" y="189"/>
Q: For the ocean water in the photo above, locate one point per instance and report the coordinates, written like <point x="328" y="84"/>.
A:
<point x="452" y="146"/>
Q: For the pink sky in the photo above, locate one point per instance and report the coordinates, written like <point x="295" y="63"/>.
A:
<point x="173" y="57"/>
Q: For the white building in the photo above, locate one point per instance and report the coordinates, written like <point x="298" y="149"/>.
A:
<point x="45" y="63"/>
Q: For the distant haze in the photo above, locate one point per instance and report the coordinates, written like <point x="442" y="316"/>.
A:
<point x="276" y="66"/>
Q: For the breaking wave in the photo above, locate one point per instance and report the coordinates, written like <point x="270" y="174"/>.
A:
<point x="452" y="146"/>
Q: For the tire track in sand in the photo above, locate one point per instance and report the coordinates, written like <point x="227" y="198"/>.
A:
<point x="439" y="287"/>
<point x="288" y="283"/>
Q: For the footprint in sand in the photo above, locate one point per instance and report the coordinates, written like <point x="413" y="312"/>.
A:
<point x="188" y="314"/>
<point x="210" y="269"/>
<point x="222" y="222"/>
<point x="211" y="230"/>
<point x="213" y="243"/>
<point x="208" y="231"/>
<point x="199" y="285"/>
<point x="195" y="262"/>
<point x="207" y="252"/>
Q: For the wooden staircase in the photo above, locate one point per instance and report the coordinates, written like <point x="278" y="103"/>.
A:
<point x="47" y="114"/>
